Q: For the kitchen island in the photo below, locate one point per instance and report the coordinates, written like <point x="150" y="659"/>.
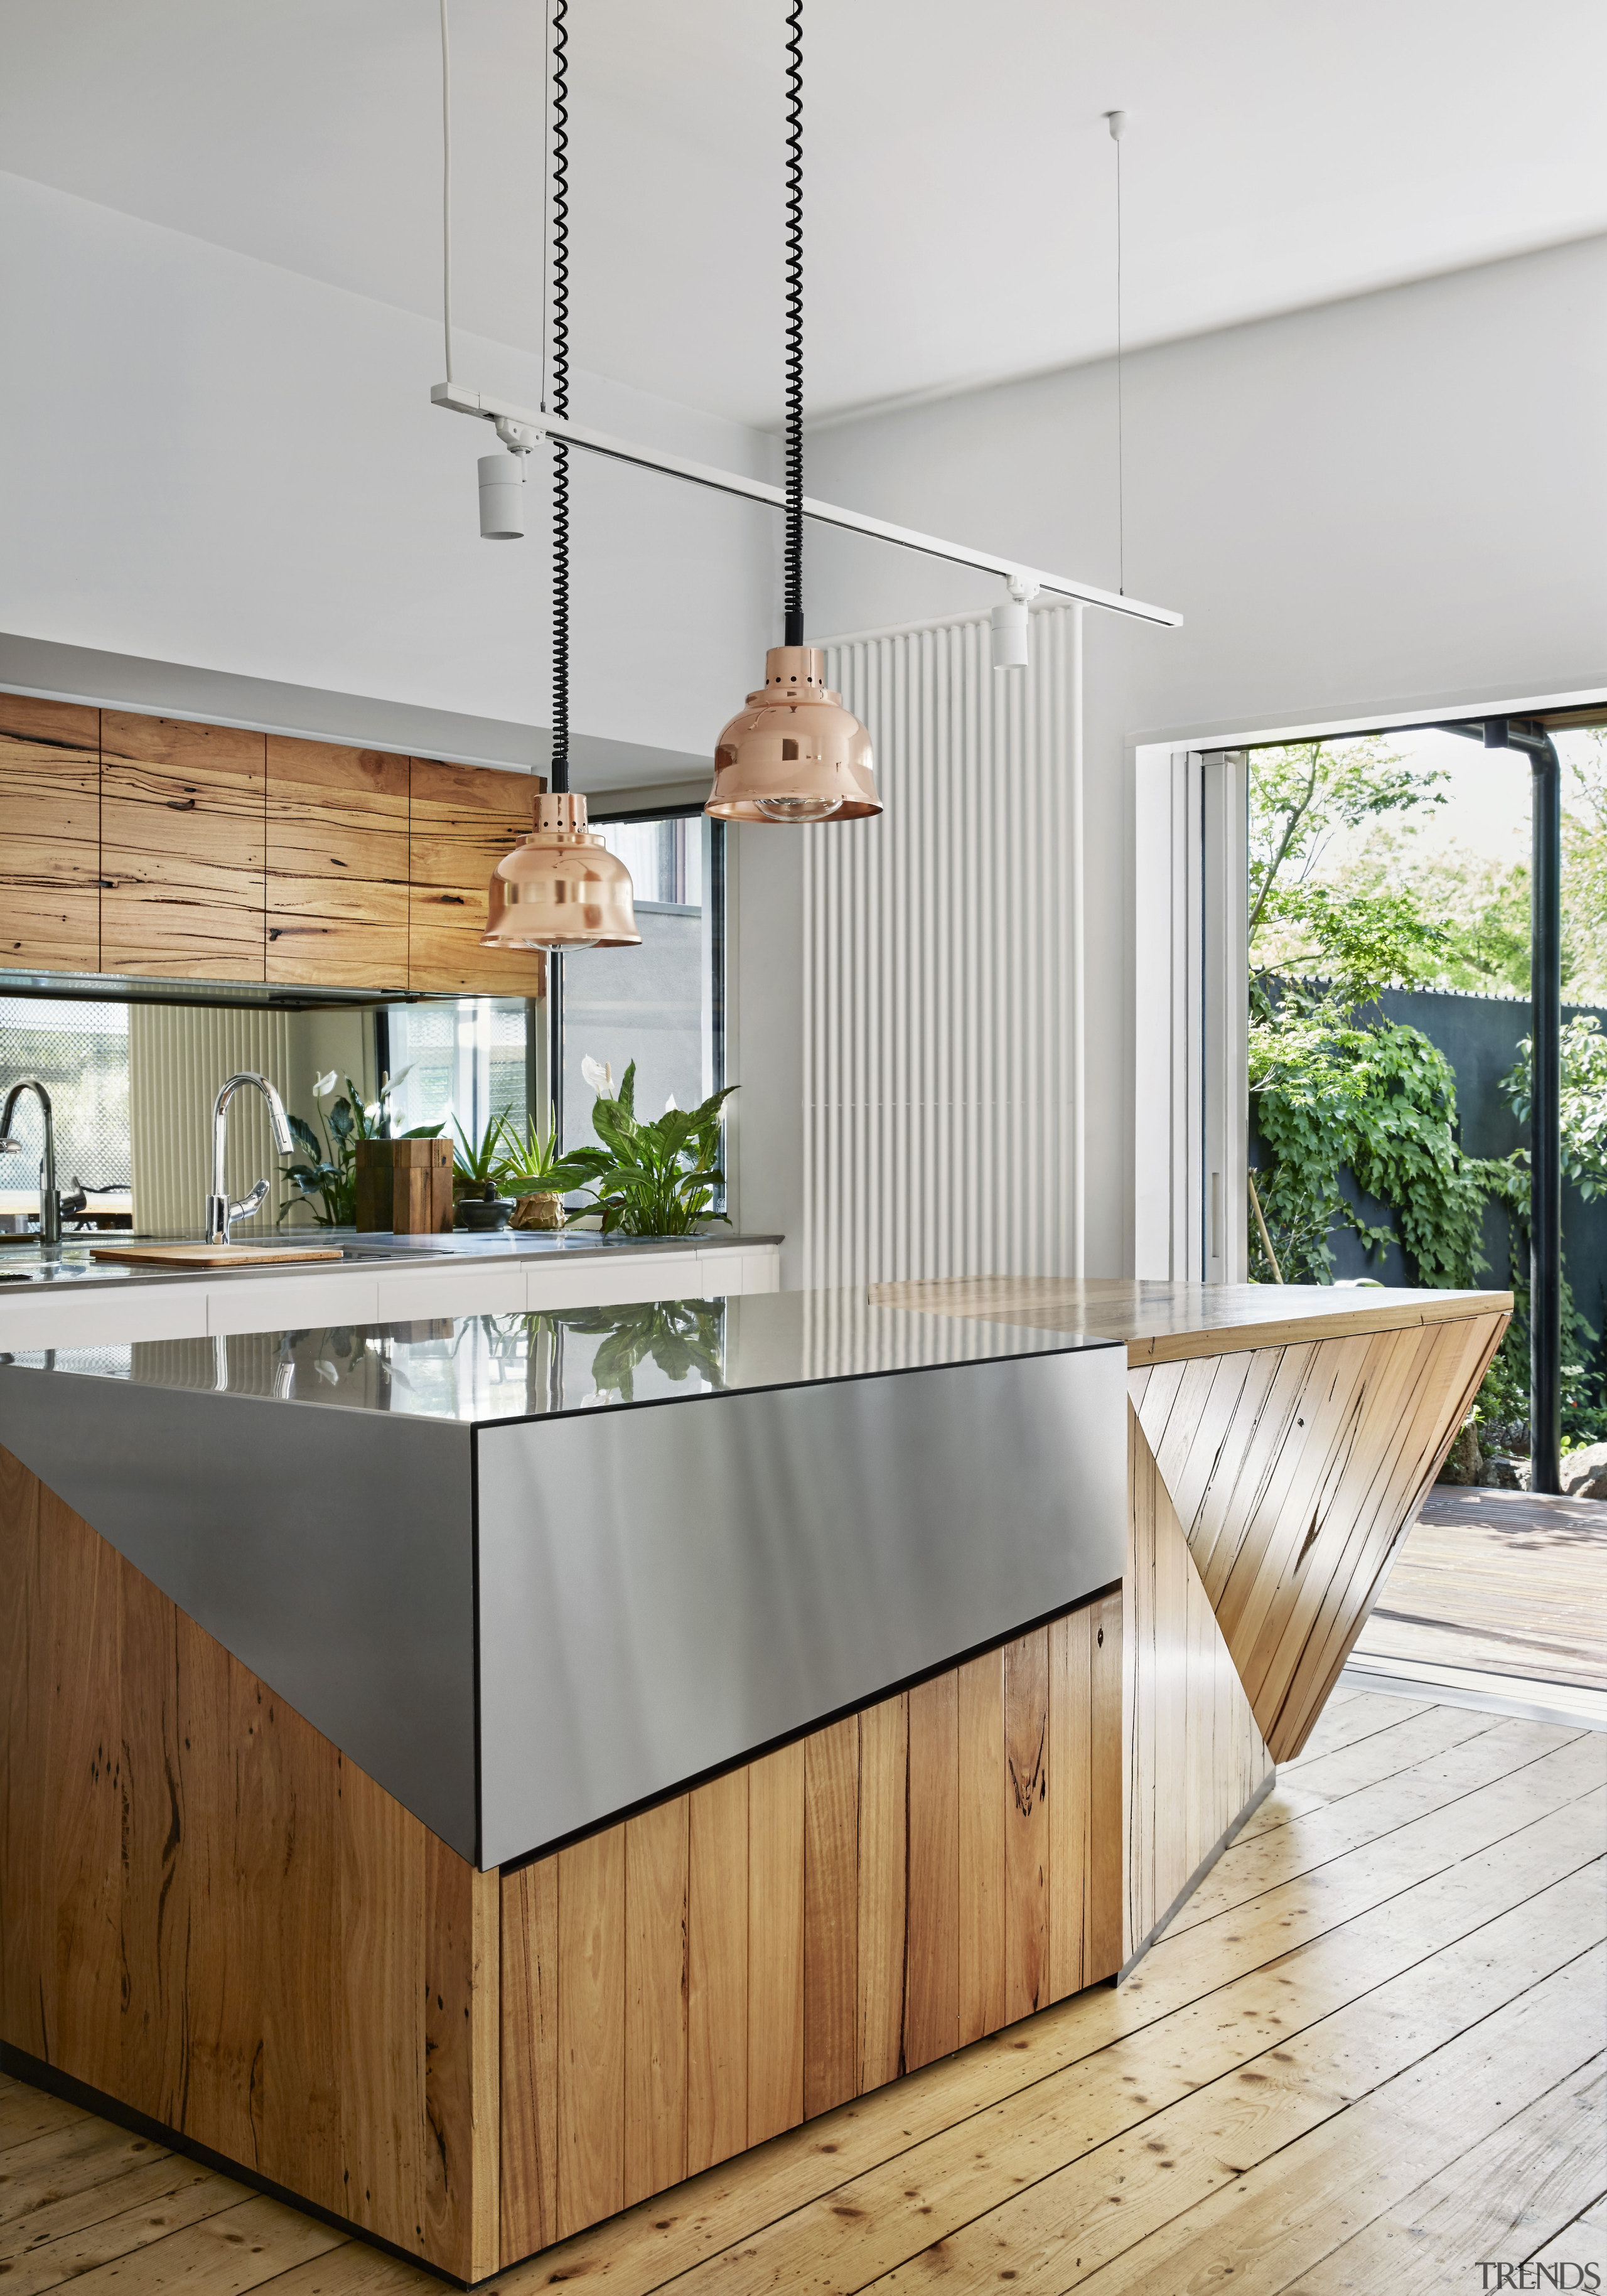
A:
<point x="472" y="1772"/>
<point x="474" y="1776"/>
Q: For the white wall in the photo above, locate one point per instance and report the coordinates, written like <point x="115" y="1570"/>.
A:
<point x="1394" y="502"/>
<point x="208" y="460"/>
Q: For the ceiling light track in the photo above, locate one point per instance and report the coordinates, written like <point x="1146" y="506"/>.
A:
<point x="459" y="400"/>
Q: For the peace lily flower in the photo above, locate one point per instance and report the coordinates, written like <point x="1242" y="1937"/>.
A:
<point x="672" y="1103"/>
<point x="372" y="1111"/>
<point x="325" y="1085"/>
<point x="599" y="1075"/>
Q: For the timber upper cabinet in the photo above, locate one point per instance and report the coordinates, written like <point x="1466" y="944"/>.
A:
<point x="177" y="851"/>
<point x="337" y="866"/>
<point x="50" y="835"/>
<point x="180" y="848"/>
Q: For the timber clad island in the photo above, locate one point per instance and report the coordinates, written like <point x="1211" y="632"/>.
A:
<point x="474" y="1775"/>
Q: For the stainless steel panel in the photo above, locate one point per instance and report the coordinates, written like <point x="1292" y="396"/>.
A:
<point x="329" y="1551"/>
<point x="664" y="1589"/>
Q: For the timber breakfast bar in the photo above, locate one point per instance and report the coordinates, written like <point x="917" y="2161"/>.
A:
<point x="468" y="1787"/>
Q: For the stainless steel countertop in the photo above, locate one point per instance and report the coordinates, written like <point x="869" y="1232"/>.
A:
<point x="25" y="1264"/>
<point x="477" y="1371"/>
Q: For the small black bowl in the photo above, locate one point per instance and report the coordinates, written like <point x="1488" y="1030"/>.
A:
<point x="483" y="1213"/>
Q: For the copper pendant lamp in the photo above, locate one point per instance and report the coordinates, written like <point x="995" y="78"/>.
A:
<point x="795" y="754"/>
<point x="562" y="888"/>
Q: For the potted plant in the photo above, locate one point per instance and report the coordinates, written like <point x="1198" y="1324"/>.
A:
<point x="326" y="1179"/>
<point x="650" y="1178"/>
<point x="536" y="1173"/>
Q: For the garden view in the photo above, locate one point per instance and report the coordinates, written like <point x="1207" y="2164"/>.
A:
<point x="1388" y="980"/>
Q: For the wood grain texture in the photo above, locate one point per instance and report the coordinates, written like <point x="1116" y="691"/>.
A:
<point x="528" y="2072"/>
<point x="1070" y="1801"/>
<point x="716" y="2019"/>
<point x="336" y="853"/>
<point x="1295" y="1472"/>
<point x="656" y="1851"/>
<point x="1168" y="1322"/>
<point x="182" y="849"/>
<point x="1194" y="1754"/>
<point x="212" y="1917"/>
<point x="50" y="835"/>
<point x="931" y="1958"/>
<point x="591" y="2029"/>
<point x="831" y="1915"/>
<point x="979" y="1689"/>
<point x="1027" y="1825"/>
<point x="775" y="1942"/>
<point x="462" y="821"/>
<point x="883" y="1869"/>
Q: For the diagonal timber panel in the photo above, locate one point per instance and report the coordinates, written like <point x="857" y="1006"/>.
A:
<point x="1294" y="1473"/>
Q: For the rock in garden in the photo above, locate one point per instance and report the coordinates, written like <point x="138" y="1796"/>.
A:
<point x="1462" y="1460"/>
<point x="1504" y="1473"/>
<point x="1584" y="1473"/>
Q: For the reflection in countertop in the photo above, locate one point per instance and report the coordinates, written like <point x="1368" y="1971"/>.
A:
<point x="480" y="1370"/>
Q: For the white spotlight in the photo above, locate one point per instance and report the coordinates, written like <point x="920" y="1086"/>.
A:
<point x="502" y="483"/>
<point x="501" y="497"/>
<point x="1010" y="627"/>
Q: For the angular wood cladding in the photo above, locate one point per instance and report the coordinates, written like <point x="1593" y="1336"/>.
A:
<point x="1295" y="1472"/>
<point x="173" y="850"/>
<point x="212" y="1917"/>
<point x="809" y="1926"/>
<point x="1194" y="1759"/>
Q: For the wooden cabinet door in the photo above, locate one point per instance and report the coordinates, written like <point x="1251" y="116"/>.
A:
<point x="50" y="834"/>
<point x="181" y="853"/>
<point x="464" y="819"/>
<point x="337" y="866"/>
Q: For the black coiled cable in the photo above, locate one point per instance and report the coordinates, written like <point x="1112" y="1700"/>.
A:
<point x="559" y="771"/>
<point x="793" y="589"/>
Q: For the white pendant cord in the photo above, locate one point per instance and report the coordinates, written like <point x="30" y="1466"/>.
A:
<point x="1117" y="122"/>
<point x="447" y="187"/>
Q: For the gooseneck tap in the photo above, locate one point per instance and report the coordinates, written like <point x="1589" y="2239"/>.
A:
<point x="50" y="1203"/>
<point x="220" y="1212"/>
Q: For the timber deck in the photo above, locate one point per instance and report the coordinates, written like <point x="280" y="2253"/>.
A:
<point x="1367" y="2054"/>
<point x="1501" y="1582"/>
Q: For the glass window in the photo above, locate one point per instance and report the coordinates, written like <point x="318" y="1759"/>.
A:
<point x="661" y="1005"/>
<point x="79" y="1052"/>
<point x="467" y="1059"/>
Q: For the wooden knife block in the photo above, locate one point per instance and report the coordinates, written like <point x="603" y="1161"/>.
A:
<point x="404" y="1187"/>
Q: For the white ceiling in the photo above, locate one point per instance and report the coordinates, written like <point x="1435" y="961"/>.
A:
<point x="960" y="214"/>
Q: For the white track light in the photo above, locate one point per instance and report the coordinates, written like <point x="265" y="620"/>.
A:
<point x="501" y="497"/>
<point x="1011" y="621"/>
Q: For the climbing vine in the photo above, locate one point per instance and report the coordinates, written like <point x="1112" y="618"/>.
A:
<point x="1335" y="1087"/>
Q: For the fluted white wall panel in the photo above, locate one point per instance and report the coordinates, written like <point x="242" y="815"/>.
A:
<point x="942" y="974"/>
<point x="179" y="1055"/>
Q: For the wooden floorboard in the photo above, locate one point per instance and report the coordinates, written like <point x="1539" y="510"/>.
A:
<point x="1505" y="1582"/>
<point x="1366" y="2056"/>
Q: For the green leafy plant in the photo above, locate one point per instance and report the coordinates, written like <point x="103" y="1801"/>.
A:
<point x="325" y="1179"/>
<point x="657" y="1177"/>
<point x="475" y="1163"/>
<point x="531" y="1163"/>
<point x="1335" y="1087"/>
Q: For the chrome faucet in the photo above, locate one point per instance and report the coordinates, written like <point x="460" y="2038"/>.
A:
<point x="50" y="1203"/>
<point x="220" y="1212"/>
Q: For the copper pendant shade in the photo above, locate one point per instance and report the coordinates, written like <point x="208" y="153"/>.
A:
<point x="561" y="888"/>
<point x="794" y="753"/>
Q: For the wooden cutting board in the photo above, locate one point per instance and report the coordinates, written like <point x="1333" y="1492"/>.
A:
<point x="212" y="1255"/>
